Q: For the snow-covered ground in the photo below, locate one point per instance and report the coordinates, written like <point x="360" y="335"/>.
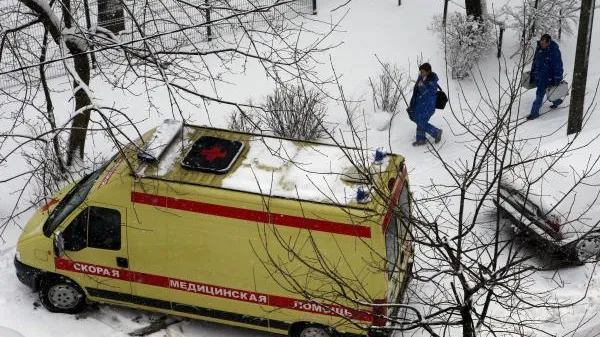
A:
<point x="371" y="27"/>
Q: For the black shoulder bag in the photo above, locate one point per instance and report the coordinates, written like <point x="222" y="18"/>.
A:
<point x="440" y="99"/>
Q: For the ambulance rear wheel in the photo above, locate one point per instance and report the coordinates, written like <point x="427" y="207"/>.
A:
<point x="310" y="330"/>
<point x="59" y="294"/>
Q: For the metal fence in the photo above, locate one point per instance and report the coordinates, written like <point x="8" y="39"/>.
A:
<point x="172" y="24"/>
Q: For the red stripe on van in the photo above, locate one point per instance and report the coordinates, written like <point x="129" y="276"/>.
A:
<point x="251" y="215"/>
<point x="211" y="290"/>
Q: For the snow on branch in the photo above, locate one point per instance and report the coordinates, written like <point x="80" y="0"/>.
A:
<point x="43" y="9"/>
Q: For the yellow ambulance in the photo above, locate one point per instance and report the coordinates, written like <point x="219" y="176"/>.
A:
<point x="243" y="229"/>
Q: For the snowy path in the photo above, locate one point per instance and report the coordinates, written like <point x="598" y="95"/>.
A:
<point x="371" y="27"/>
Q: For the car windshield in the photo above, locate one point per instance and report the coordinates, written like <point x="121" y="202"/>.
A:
<point x="73" y="199"/>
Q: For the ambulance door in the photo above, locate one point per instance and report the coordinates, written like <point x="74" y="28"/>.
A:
<point x="95" y="241"/>
<point x="148" y="252"/>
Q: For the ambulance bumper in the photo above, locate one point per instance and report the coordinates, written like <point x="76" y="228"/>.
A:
<point x="27" y="275"/>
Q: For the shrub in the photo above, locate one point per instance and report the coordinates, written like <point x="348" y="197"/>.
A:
<point x="246" y="121"/>
<point x="388" y="87"/>
<point x="466" y="40"/>
<point x="296" y="112"/>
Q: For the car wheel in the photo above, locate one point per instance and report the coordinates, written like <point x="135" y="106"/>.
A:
<point x="314" y="331"/>
<point x="310" y="330"/>
<point x="59" y="294"/>
<point x="587" y="249"/>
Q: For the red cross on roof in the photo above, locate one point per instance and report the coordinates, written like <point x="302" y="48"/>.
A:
<point x="212" y="153"/>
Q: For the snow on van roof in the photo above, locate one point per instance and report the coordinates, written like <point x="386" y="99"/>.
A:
<point x="271" y="166"/>
<point x="285" y="168"/>
<point x="160" y="140"/>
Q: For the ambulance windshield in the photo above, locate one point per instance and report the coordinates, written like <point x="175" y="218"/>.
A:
<point x="73" y="199"/>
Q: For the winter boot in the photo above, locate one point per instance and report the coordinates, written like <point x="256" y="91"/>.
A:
<point x="556" y="103"/>
<point x="532" y="117"/>
<point x="438" y="137"/>
<point x="419" y="143"/>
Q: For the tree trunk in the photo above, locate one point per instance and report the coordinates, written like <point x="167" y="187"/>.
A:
<point x="111" y="15"/>
<point x="467" y="320"/>
<point x="582" y="59"/>
<point x="82" y="67"/>
<point x="474" y="8"/>
<point x="81" y="120"/>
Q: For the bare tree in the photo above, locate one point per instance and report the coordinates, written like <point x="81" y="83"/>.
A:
<point x="471" y="277"/>
<point x="145" y="52"/>
<point x="163" y="55"/>
<point x="533" y="18"/>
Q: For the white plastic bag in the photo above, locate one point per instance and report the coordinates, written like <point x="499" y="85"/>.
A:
<point x="525" y="81"/>
<point x="558" y="92"/>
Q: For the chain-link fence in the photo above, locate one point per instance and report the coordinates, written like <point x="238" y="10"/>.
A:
<point x="162" y="24"/>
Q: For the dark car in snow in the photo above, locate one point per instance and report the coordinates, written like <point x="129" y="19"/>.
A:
<point x="556" y="204"/>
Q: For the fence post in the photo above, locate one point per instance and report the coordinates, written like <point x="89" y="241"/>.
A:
<point x="314" y="5"/>
<point x="399" y="2"/>
<point x="208" y="25"/>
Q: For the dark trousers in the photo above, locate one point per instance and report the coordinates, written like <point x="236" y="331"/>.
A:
<point x="539" y="98"/>
<point x="424" y="127"/>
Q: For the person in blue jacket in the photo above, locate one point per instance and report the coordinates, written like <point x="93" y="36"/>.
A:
<point x="546" y="70"/>
<point x="422" y="105"/>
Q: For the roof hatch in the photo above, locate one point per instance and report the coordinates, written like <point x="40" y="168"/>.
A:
<point x="212" y="154"/>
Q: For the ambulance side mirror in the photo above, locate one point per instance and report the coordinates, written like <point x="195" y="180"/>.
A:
<point x="59" y="244"/>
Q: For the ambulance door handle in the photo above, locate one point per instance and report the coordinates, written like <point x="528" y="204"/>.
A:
<point x="122" y="262"/>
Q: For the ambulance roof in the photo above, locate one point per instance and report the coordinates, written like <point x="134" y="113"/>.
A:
<point x="266" y="165"/>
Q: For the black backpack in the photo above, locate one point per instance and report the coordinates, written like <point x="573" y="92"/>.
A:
<point x="440" y="99"/>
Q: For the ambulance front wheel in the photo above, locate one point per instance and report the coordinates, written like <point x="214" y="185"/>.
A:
<point x="59" y="294"/>
<point x="309" y="330"/>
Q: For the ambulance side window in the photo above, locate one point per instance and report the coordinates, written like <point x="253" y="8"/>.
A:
<point x="104" y="230"/>
<point x="405" y="215"/>
<point x="396" y="232"/>
<point x="94" y="227"/>
<point x="76" y="233"/>
<point x="392" y="247"/>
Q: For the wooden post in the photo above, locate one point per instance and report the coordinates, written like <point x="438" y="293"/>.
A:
<point x="314" y="6"/>
<point x="500" y="41"/>
<point x="580" y="72"/>
<point x="208" y="25"/>
<point x="445" y="12"/>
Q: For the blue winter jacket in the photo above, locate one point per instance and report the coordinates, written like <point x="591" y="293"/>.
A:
<point x="423" y="100"/>
<point x="547" y="67"/>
